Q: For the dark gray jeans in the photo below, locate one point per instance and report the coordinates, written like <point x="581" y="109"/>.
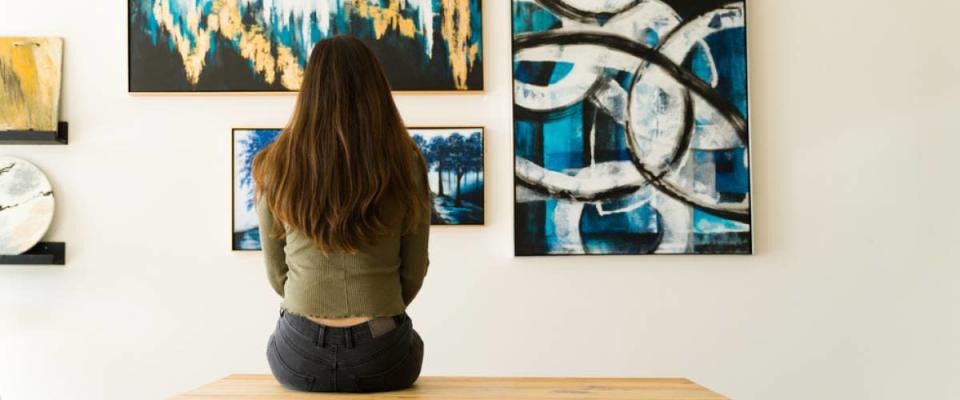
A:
<point x="381" y="355"/>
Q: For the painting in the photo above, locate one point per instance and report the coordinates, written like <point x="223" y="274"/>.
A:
<point x="30" y="78"/>
<point x="631" y="127"/>
<point x="263" y="45"/>
<point x="246" y="144"/>
<point x="26" y="205"/>
<point x="455" y="174"/>
<point x="455" y="158"/>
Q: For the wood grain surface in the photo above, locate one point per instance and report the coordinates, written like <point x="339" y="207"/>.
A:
<point x="264" y="387"/>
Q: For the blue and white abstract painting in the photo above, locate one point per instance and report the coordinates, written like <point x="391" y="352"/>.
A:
<point x="455" y="173"/>
<point x="630" y="124"/>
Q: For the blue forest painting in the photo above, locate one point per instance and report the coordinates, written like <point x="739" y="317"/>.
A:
<point x="264" y="45"/>
<point x="455" y="173"/>
<point x="631" y="127"/>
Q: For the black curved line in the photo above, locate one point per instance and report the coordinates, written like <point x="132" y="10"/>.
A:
<point x="565" y="10"/>
<point x="682" y="147"/>
<point x="589" y="124"/>
<point x="611" y="194"/>
<point x="622" y="44"/>
<point x="689" y="125"/>
<point x="41" y="194"/>
<point x="7" y="168"/>
<point x="544" y="115"/>
<point x="680" y="28"/>
<point x="739" y="216"/>
<point x="657" y="182"/>
<point x="660" y="232"/>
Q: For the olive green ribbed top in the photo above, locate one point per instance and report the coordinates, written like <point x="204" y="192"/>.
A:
<point x="379" y="280"/>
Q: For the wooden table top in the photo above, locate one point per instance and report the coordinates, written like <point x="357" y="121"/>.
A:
<point x="264" y="387"/>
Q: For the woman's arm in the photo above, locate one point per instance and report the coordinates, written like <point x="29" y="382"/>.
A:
<point x="273" y="252"/>
<point x="414" y="253"/>
<point x="415" y="258"/>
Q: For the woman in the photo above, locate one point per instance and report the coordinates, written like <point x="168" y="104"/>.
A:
<point x="345" y="219"/>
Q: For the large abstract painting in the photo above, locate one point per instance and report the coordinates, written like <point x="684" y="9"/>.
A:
<point x="630" y="123"/>
<point x="455" y="158"/>
<point x="30" y="79"/>
<point x="263" y="45"/>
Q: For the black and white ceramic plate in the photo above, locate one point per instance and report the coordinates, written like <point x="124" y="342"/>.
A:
<point x="26" y="205"/>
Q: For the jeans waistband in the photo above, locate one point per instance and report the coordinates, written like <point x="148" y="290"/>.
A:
<point x="348" y="336"/>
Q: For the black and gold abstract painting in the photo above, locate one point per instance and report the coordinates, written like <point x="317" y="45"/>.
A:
<point x="263" y="45"/>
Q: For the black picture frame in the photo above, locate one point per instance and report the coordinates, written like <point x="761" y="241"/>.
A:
<point x="513" y="122"/>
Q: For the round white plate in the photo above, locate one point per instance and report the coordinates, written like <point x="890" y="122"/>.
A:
<point x="26" y="205"/>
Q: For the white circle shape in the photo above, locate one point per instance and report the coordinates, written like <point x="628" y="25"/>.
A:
<point x="26" y="205"/>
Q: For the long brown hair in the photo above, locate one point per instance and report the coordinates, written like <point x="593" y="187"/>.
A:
<point x="344" y="152"/>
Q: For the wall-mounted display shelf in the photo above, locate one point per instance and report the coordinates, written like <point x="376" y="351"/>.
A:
<point x="44" y="253"/>
<point x="36" y="137"/>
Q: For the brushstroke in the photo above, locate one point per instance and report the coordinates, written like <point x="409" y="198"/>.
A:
<point x="385" y="18"/>
<point x="30" y="79"/>
<point x="456" y="32"/>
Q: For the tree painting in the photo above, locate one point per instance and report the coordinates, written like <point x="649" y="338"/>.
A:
<point x="455" y="168"/>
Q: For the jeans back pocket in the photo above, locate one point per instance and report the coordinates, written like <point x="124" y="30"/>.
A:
<point x="394" y="375"/>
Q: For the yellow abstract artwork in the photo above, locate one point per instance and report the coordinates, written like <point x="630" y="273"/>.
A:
<point x="30" y="76"/>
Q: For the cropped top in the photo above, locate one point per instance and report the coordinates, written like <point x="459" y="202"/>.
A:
<point x="378" y="280"/>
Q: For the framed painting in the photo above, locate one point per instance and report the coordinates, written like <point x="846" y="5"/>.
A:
<point x="455" y="173"/>
<point x="30" y="78"/>
<point x="631" y="127"/>
<point x="455" y="158"/>
<point x="196" y="46"/>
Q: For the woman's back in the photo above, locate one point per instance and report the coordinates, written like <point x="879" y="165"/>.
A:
<point x="378" y="279"/>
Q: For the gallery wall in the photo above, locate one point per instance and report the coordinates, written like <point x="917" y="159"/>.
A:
<point x="852" y="292"/>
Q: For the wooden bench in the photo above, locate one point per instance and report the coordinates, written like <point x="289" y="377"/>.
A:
<point x="264" y="387"/>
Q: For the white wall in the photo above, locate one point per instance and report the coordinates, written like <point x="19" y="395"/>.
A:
<point x="852" y="294"/>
